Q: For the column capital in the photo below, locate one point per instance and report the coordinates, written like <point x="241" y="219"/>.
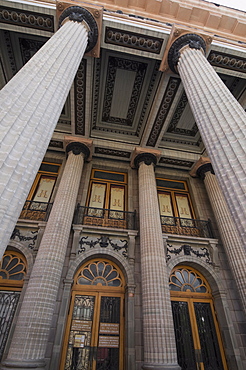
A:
<point x="202" y="166"/>
<point x="145" y="155"/>
<point x="91" y="17"/>
<point x="78" y="145"/>
<point x="180" y="38"/>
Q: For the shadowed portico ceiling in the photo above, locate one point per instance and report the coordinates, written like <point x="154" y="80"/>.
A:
<point x="122" y="96"/>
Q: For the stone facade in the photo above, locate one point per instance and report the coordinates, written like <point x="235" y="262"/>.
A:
<point x="108" y="191"/>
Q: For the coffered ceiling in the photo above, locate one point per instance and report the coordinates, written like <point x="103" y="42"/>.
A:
<point x="121" y="99"/>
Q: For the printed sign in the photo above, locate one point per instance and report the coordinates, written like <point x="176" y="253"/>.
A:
<point x="79" y="341"/>
<point x="107" y="328"/>
<point x="81" y="325"/>
<point x="108" y="342"/>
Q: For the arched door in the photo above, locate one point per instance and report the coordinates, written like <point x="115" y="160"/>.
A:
<point x="198" y="340"/>
<point x="94" y="333"/>
<point x="12" y="272"/>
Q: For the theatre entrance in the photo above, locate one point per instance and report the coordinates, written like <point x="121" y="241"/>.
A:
<point x="198" y="339"/>
<point x="94" y="334"/>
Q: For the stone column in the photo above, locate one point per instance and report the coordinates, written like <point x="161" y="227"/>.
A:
<point x="30" y="337"/>
<point x="231" y="240"/>
<point x="219" y="117"/>
<point x="158" y="328"/>
<point x="30" y="106"/>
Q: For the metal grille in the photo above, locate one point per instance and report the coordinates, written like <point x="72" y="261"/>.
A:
<point x="185" y="226"/>
<point x="183" y="336"/>
<point x="80" y="358"/>
<point x="208" y="337"/>
<point x="108" y="358"/>
<point x="8" y="303"/>
<point x="110" y="310"/>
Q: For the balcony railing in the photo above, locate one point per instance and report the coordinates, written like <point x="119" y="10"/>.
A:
<point x="105" y="218"/>
<point x="186" y="226"/>
<point x="36" y="211"/>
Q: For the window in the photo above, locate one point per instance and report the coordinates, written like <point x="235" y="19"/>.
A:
<point x="106" y="203"/>
<point x="38" y="200"/>
<point x="174" y="200"/>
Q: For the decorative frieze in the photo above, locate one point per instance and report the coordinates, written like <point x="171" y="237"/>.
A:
<point x="24" y="18"/>
<point x="165" y="106"/>
<point x="79" y="92"/>
<point x="29" y="47"/>
<point x="133" y="40"/>
<point x="227" y="61"/>
<point x="10" y="51"/>
<point x="187" y="250"/>
<point x="118" y="245"/>
<point x="26" y="236"/>
<point x="112" y="152"/>
<point x="176" y="162"/>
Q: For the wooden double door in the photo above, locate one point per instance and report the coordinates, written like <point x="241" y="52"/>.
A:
<point x="198" y="341"/>
<point x="94" y="338"/>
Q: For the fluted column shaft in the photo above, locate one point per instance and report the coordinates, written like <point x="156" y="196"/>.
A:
<point x="221" y="122"/>
<point x="29" y="341"/>
<point x="159" y="338"/>
<point x="30" y="106"/>
<point x="232" y="243"/>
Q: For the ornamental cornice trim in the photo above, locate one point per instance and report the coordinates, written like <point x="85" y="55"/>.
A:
<point x="24" y="18"/>
<point x="133" y="40"/>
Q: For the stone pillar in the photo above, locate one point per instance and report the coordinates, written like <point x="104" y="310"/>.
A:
<point x="30" y="106"/>
<point x="30" y="337"/>
<point x="231" y="240"/>
<point x="158" y="328"/>
<point x="219" y="117"/>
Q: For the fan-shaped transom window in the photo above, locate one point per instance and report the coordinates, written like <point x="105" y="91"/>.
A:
<point x="99" y="272"/>
<point x="12" y="266"/>
<point x="185" y="279"/>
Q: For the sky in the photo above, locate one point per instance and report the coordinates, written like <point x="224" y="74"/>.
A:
<point x="235" y="4"/>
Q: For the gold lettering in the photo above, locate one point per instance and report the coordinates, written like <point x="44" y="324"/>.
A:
<point x="42" y="194"/>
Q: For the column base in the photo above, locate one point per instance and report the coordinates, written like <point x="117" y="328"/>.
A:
<point x="38" y="364"/>
<point x="161" y="367"/>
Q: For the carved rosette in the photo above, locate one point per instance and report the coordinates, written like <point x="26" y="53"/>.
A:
<point x="78" y="148"/>
<point x="190" y="39"/>
<point x="78" y="14"/>
<point x="147" y="158"/>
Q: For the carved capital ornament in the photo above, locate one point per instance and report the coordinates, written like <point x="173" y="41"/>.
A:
<point x="147" y="158"/>
<point x="79" y="14"/>
<point x="192" y="40"/>
<point x="77" y="148"/>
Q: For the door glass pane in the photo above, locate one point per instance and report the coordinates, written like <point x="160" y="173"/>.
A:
<point x="97" y="200"/>
<point x="183" y="336"/>
<point x="184" y="210"/>
<point x="8" y="303"/>
<point x="79" y="350"/>
<point x="109" y="334"/>
<point x="44" y="189"/>
<point x="166" y="209"/>
<point x="211" y="356"/>
<point x="116" y="202"/>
